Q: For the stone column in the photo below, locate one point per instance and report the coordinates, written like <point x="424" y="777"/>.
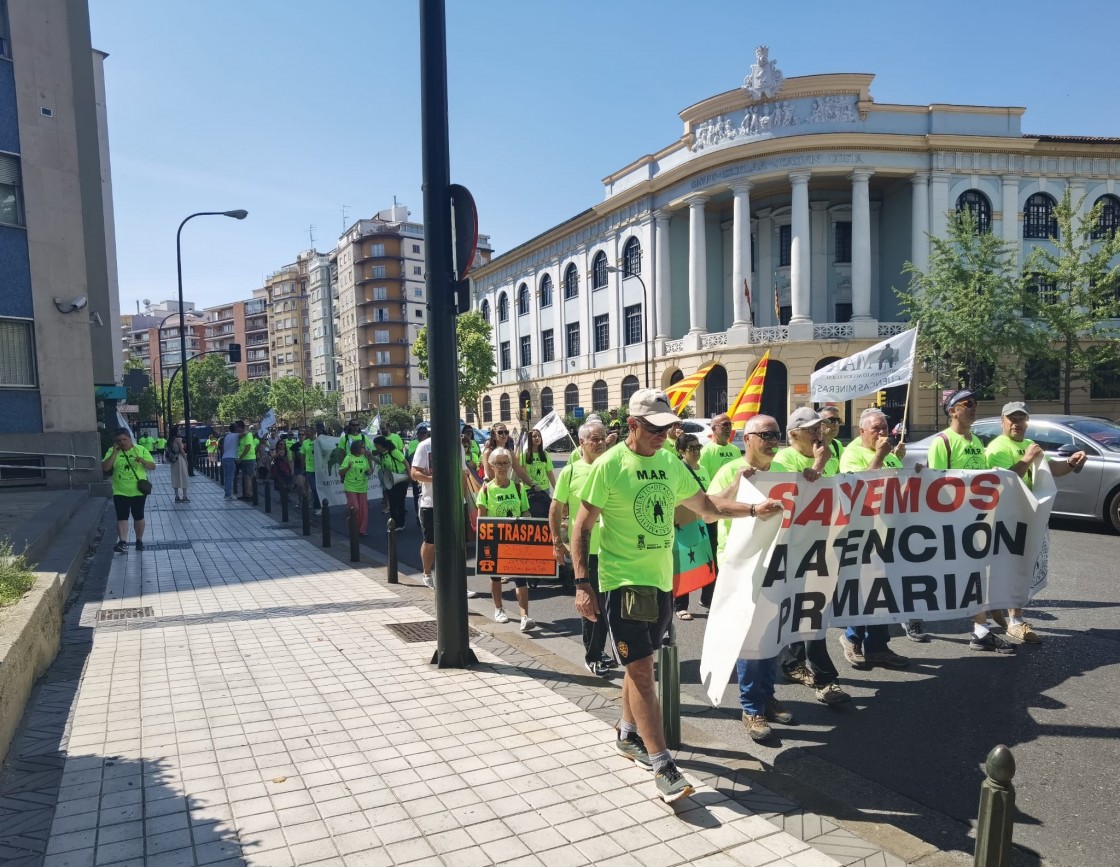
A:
<point x="697" y="266"/>
<point x="661" y="276"/>
<point x="764" y="291"/>
<point x="1010" y="207"/>
<point x="938" y="203"/>
<point x="919" y="221"/>
<point x="861" y="246"/>
<point x="800" y="252"/>
<point x="819" y="227"/>
<point x="741" y="253"/>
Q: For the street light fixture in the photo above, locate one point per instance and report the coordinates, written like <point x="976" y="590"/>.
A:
<point x="239" y="214"/>
<point x="626" y="272"/>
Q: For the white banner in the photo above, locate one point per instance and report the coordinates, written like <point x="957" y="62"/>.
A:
<point x="884" y="365"/>
<point x="328" y="458"/>
<point x="266" y="424"/>
<point x="552" y="429"/>
<point x="879" y="547"/>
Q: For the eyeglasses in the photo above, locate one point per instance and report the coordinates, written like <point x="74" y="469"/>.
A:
<point x="831" y="422"/>
<point x="654" y="429"/>
<point x="692" y="449"/>
<point x="768" y="435"/>
<point x="501" y="463"/>
<point x="501" y="431"/>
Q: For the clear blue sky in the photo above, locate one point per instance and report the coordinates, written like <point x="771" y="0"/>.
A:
<point x="295" y="110"/>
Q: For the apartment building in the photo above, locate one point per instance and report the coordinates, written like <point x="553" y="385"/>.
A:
<point x="225" y="324"/>
<point x="152" y="338"/>
<point x="289" y="323"/>
<point x="324" y="367"/>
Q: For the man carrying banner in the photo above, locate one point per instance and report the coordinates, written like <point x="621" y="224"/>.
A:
<point x="830" y="428"/>
<point x="635" y="488"/>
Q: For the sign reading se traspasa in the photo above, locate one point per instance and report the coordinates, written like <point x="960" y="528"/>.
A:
<point x="515" y="548"/>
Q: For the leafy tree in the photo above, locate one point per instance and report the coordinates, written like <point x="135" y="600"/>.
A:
<point x="475" y="354"/>
<point x="149" y="405"/>
<point x="396" y="419"/>
<point x="295" y="401"/>
<point x="969" y="308"/>
<point x="249" y="402"/>
<point x="1075" y="295"/>
<point x="208" y="380"/>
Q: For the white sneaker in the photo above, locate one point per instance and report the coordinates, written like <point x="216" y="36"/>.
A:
<point x="528" y="623"/>
<point x="500" y="616"/>
<point x="474" y="594"/>
<point x="429" y="581"/>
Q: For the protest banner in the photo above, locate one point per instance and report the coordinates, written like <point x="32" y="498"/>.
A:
<point x="878" y="547"/>
<point x="328" y="459"/>
<point x="515" y="548"/>
<point x="551" y="428"/>
<point x="885" y="365"/>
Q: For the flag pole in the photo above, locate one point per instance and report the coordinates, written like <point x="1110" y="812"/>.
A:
<point x="909" y="383"/>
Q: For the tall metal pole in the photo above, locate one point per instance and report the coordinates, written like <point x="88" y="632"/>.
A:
<point x="452" y="647"/>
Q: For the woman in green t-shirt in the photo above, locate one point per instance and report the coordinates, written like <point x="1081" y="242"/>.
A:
<point x="354" y="473"/>
<point x="504" y="497"/>
<point x="392" y="467"/>
<point x="538" y="465"/>
<point x="129" y="463"/>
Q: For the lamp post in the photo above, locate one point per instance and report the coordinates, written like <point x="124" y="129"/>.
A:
<point x="237" y="215"/>
<point x="626" y="272"/>
<point x="165" y="400"/>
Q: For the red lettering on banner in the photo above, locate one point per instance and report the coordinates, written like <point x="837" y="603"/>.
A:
<point x="872" y="501"/>
<point x="849" y="494"/>
<point x="785" y="493"/>
<point x="819" y="509"/>
<point x="933" y="494"/>
<point x="985" y="489"/>
<point x="899" y="498"/>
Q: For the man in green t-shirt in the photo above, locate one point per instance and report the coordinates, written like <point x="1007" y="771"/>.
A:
<point x="306" y="459"/>
<point x="830" y="428"/>
<point x="1011" y="450"/>
<point x="719" y="451"/>
<point x="670" y="444"/>
<point x="247" y="462"/>
<point x="634" y="489"/>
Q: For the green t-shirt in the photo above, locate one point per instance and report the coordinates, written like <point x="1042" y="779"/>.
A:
<point x="392" y="461"/>
<point x="511" y="501"/>
<point x="857" y="457"/>
<point x="411" y="450"/>
<point x="211" y="446"/>
<point x="357" y="479"/>
<point x="576" y="456"/>
<point x="307" y="449"/>
<point x="396" y="440"/>
<point x="723" y="478"/>
<point x="538" y="469"/>
<point x="790" y="460"/>
<point x="247" y="448"/>
<point x="347" y="439"/>
<point x="127" y="469"/>
<point x="161" y="443"/>
<point x="964" y="454"/>
<point x="569" y="489"/>
<point x="669" y="445"/>
<point x="637" y="496"/>
<point x="713" y="456"/>
<point x="1003" y="453"/>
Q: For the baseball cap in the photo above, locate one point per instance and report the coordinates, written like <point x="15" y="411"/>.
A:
<point x="955" y="398"/>
<point x="423" y="427"/>
<point x="802" y="417"/>
<point x="652" y="405"/>
<point x="1014" y="407"/>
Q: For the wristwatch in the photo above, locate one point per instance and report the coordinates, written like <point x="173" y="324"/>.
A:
<point x="579" y="581"/>
<point x="753" y="513"/>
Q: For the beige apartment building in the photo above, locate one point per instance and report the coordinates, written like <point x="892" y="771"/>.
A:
<point x="257" y="363"/>
<point x="225" y="324"/>
<point x="289" y="326"/>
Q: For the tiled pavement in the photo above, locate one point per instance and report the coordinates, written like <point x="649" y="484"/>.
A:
<point x="257" y="710"/>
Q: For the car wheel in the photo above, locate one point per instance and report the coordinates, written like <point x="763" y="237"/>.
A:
<point x="1112" y="511"/>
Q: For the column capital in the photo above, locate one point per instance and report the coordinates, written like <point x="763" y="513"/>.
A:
<point x="861" y="176"/>
<point x="697" y="201"/>
<point x="818" y="206"/>
<point x="799" y="178"/>
<point x="919" y="178"/>
<point x="662" y="215"/>
<point x="939" y="177"/>
<point x="741" y="187"/>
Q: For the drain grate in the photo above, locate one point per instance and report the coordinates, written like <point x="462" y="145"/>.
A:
<point x="421" y="630"/>
<point x="118" y="614"/>
<point x="168" y="546"/>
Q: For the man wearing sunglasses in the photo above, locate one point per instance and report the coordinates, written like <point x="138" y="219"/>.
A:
<point x="635" y="488"/>
<point x="830" y="429"/>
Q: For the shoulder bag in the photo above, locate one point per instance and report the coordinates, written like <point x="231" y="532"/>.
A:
<point x="142" y="485"/>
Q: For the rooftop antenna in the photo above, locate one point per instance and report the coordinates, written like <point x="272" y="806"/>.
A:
<point x="345" y="216"/>
<point x="311" y="235"/>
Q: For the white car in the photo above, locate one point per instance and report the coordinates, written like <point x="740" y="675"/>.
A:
<point x="702" y="427"/>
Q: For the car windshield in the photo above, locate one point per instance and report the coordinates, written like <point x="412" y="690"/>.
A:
<point x="1101" y="432"/>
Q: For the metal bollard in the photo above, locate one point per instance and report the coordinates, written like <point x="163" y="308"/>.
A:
<point x="669" y="689"/>
<point x="996" y="820"/>
<point x="268" y="499"/>
<point x="305" y="514"/>
<point x="253" y="485"/>
<point x="284" y="508"/>
<point x="326" y="524"/>
<point x="391" y="552"/>
<point x="352" y="531"/>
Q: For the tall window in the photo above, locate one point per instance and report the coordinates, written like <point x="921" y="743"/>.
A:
<point x="571" y="399"/>
<point x="843" y="235"/>
<point x="17" y="353"/>
<point x="629" y="386"/>
<point x="1104" y="381"/>
<point x="1043" y="379"/>
<point x="1043" y="291"/>
<point x="632" y="316"/>
<point x="503" y="408"/>
<point x="1038" y="217"/>
<point x="384" y="379"/>
<point x="785" y="245"/>
<point x="602" y="332"/>
<point x="1109" y="220"/>
<point x="503" y="307"/>
<point x="377" y="250"/>
<point x="571" y="339"/>
<point x="385" y="399"/>
<point x="484" y="309"/>
<point x="632" y="257"/>
<point x="522" y="300"/>
<point x="377" y="272"/>
<point x="599" y="271"/>
<point x="976" y="202"/>
<point x="548" y="346"/>
<point x="11" y="196"/>
<point x="599" y="395"/>
<point x="381" y="293"/>
<point x="487" y="409"/>
<point x="526" y="350"/>
<point x="571" y="282"/>
<point x="546" y="401"/>
<point x="505" y="360"/>
<point x="546" y="291"/>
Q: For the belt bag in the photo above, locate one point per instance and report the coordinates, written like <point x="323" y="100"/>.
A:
<point x="640" y="603"/>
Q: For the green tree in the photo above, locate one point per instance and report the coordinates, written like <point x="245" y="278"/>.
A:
<point x="249" y="402"/>
<point x="1075" y="295"/>
<point x="149" y="406"/>
<point x="296" y="402"/>
<point x="969" y="307"/>
<point x="208" y="380"/>
<point x="396" y="419"/>
<point x="475" y="354"/>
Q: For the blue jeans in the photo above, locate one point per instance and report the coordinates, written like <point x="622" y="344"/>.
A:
<point x="315" y="503"/>
<point x="229" y="467"/>
<point x="873" y="638"/>
<point x="756" y="683"/>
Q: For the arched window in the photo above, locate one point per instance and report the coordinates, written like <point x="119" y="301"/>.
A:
<point x="632" y="257"/>
<point x="715" y="391"/>
<point x="1109" y="220"/>
<point x="1038" y="217"/>
<point x="546" y="291"/>
<point x="487" y="410"/>
<point x="629" y="386"/>
<point x="571" y="282"/>
<point x="524" y="401"/>
<point x="599" y="271"/>
<point x="503" y="307"/>
<point x="980" y="207"/>
<point x="522" y="300"/>
<point x="676" y="376"/>
<point x="571" y="399"/>
<point x="503" y="408"/>
<point x="599" y="395"/>
<point x="484" y="309"/>
<point x="546" y="401"/>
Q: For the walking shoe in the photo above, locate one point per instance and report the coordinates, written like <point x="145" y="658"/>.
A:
<point x="139" y="545"/>
<point x="853" y="651"/>
<point x="991" y="642"/>
<point x="1000" y="620"/>
<point x="178" y="499"/>
<point x="121" y="547"/>
<point x="915" y="632"/>
<point x="671" y="784"/>
<point x="776" y="712"/>
<point x="608" y="661"/>
<point x="757" y="727"/>
<point x="887" y="658"/>
<point x="429" y="582"/>
<point x="227" y="497"/>
<point x="597" y="669"/>
<point x="632" y="747"/>
<point x="683" y="615"/>
<point x="832" y="694"/>
<point x="527" y="623"/>
<point x="500" y="616"/>
<point x="799" y="674"/>
<point x="186" y="499"/>
<point x="474" y="594"/>
<point x="1023" y="632"/>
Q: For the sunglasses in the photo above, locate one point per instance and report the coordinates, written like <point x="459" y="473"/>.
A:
<point x="654" y="429"/>
<point x="769" y="435"/>
<point x="693" y="449"/>
<point x="831" y="422"/>
<point x="500" y="432"/>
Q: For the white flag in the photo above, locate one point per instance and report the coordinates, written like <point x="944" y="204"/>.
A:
<point x="551" y="428"/>
<point x="374" y="427"/>
<point x="885" y="365"/>
<point x="266" y="423"/>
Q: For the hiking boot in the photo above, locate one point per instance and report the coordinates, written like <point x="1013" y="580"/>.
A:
<point x="832" y="694"/>
<point x="1024" y="633"/>
<point x="887" y="658"/>
<point x="915" y="632"/>
<point x="799" y="674"/>
<point x="121" y="547"/>
<point x="500" y="616"/>
<point x="632" y="747"/>
<point x="776" y="712"/>
<point x="757" y="727"/>
<point x="671" y="784"/>
<point x="853" y="651"/>
<point x="991" y="642"/>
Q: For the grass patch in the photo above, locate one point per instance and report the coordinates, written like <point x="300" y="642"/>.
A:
<point x="16" y="577"/>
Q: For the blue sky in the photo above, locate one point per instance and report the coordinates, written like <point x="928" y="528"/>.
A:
<point x="296" y="111"/>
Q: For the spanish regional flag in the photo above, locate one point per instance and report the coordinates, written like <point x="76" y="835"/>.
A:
<point x="749" y="401"/>
<point x="680" y="393"/>
<point x="692" y="559"/>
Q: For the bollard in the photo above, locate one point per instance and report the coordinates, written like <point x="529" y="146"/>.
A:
<point x="305" y="513"/>
<point x="669" y="689"/>
<point x="391" y="552"/>
<point x="284" y="508"/>
<point x="326" y="524"/>
<point x="253" y="485"/>
<point x="996" y="820"/>
<point x="268" y="499"/>
<point x="352" y="531"/>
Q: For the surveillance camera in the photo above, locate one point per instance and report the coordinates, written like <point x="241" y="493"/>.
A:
<point x="71" y="305"/>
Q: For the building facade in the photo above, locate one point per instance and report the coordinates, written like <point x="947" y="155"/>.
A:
<point x="225" y="325"/>
<point x="324" y="368"/>
<point x="781" y="219"/>
<point x="289" y="320"/>
<point x="257" y="356"/>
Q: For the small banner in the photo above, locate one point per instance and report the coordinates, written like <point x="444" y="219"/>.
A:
<point x="693" y="566"/>
<point x="515" y="548"/>
<point x="885" y="365"/>
<point x="551" y="428"/>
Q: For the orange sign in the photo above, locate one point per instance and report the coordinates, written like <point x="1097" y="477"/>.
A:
<point x="515" y="548"/>
<point x="801" y="388"/>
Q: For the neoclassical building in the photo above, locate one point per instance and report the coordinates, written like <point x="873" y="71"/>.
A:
<point x="781" y="219"/>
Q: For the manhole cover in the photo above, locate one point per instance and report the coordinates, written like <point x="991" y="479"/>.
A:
<point x="421" y="630"/>
<point x="110" y="615"/>
<point x="167" y="546"/>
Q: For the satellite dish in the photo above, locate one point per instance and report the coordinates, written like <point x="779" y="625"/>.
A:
<point x="147" y="303"/>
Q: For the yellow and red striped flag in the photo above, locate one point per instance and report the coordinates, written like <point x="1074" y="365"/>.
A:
<point x="680" y="393"/>
<point x="749" y="401"/>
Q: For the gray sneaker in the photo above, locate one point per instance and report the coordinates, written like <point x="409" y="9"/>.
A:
<point x="632" y="747"/>
<point x="671" y="784"/>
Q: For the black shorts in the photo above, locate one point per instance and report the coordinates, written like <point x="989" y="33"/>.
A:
<point x="129" y="505"/>
<point x="428" y="525"/>
<point x="634" y="640"/>
<point x="517" y="582"/>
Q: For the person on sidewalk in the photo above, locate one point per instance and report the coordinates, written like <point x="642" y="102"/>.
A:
<point x="504" y="497"/>
<point x="280" y="470"/>
<point x="538" y="466"/>
<point x="715" y="454"/>
<point x="422" y="471"/>
<point x="566" y="502"/>
<point x="635" y="488"/>
<point x="177" y="458"/>
<point x="310" y="466"/>
<point x="247" y="460"/>
<point x="830" y="429"/>
<point x="391" y="465"/>
<point x="231" y="446"/>
<point x="160" y="446"/>
<point x="354" y="473"/>
<point x="129" y="464"/>
<point x="688" y="450"/>
<point x="421" y="434"/>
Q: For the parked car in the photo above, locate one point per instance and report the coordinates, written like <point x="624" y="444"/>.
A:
<point x="1094" y="493"/>
<point x="702" y="427"/>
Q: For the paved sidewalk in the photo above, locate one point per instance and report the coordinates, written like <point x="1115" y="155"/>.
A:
<point x="244" y="701"/>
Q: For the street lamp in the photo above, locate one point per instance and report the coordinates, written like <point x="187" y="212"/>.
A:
<point x="239" y="214"/>
<point x="165" y="399"/>
<point x="626" y="272"/>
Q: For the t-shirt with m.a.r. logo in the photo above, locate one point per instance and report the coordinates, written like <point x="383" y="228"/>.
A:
<point x="963" y="453"/>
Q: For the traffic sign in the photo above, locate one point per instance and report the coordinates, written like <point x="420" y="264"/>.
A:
<point x="578" y="412"/>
